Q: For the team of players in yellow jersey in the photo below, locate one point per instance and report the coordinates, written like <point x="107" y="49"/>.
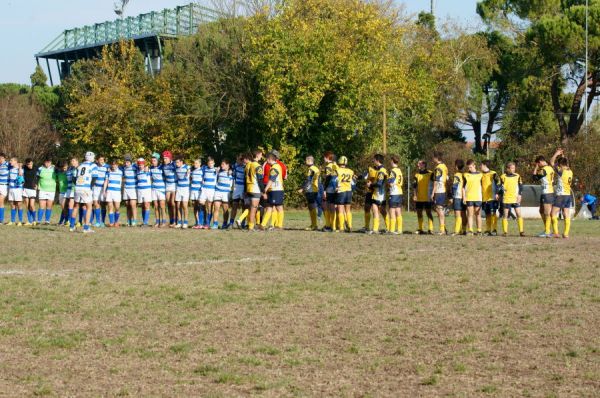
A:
<point x="472" y="190"/>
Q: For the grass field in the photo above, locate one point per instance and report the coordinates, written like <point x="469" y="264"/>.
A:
<point x="142" y="312"/>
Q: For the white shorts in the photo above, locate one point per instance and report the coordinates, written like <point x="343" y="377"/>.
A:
<point x="170" y="187"/>
<point x="29" y="193"/>
<point x="224" y="197"/>
<point x="207" y="195"/>
<point x="15" y="195"/>
<point x="144" y="195"/>
<point x="129" y="194"/>
<point x="43" y="195"/>
<point x="113" y="196"/>
<point x="70" y="194"/>
<point x="195" y="195"/>
<point x="158" y="195"/>
<point x="238" y="192"/>
<point x="182" y="195"/>
<point x="84" y="196"/>
<point x="97" y="194"/>
<point x="4" y="190"/>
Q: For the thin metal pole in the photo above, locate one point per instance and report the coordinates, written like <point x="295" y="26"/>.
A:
<point x="384" y="125"/>
<point x="407" y="188"/>
<point x="49" y="72"/>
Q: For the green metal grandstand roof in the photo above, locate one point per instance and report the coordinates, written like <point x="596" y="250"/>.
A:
<point x="180" y="21"/>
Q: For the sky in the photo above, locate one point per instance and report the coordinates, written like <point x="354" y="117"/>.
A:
<point x="29" y="25"/>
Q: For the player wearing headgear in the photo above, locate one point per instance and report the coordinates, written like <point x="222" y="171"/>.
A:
<point x="254" y="182"/>
<point x="544" y="173"/>
<point x="4" y="171"/>
<point x="15" y="191"/>
<point x="144" y="190"/>
<point x="158" y="191"/>
<point x="63" y="185"/>
<point x="378" y="189"/>
<point x="512" y="187"/>
<point x="473" y="196"/>
<point x="395" y="201"/>
<point x="130" y="171"/>
<point x="113" y="185"/>
<point x="329" y="194"/>
<point x="344" y="181"/>
<point x="222" y="195"/>
<point x="274" y="194"/>
<point x="170" y="185"/>
<point x="99" y="201"/>
<point x="182" y="193"/>
<point x="239" y="184"/>
<point x="423" y="186"/>
<point x="490" y="182"/>
<point x="563" y="200"/>
<point x="457" y="197"/>
<point x="438" y="196"/>
<point x="310" y="188"/>
<point x="209" y="183"/>
<point x="46" y="175"/>
<point x="195" y="189"/>
<point x="84" y="178"/>
<point x="30" y="190"/>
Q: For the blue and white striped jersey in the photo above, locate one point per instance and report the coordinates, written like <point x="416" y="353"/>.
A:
<point x="13" y="178"/>
<point x="130" y="176"/>
<point x="86" y="172"/>
<point x="4" y="173"/>
<point x="144" y="181"/>
<point x="115" y="180"/>
<point x="102" y="172"/>
<point x="158" y="178"/>
<point x="224" y="181"/>
<point x="71" y="171"/>
<point x="169" y="173"/>
<point x="196" y="178"/>
<point x="209" y="176"/>
<point x="183" y="176"/>
<point x="239" y="174"/>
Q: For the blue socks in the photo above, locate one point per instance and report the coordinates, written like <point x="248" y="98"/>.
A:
<point x="201" y="217"/>
<point x="209" y="218"/>
<point x="1" y="215"/>
<point x="97" y="213"/>
<point x="103" y="214"/>
<point x="20" y="215"/>
<point x="146" y="216"/>
<point x="117" y="214"/>
<point x="48" y="215"/>
<point x="13" y="215"/>
<point x="40" y="215"/>
<point x="111" y="218"/>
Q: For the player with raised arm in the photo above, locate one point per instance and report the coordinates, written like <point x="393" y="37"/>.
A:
<point x="438" y="196"/>
<point x="182" y="194"/>
<point x="130" y="171"/>
<point x="512" y="188"/>
<point x="345" y="181"/>
<point x="544" y="173"/>
<point x="396" y="198"/>
<point x="84" y="178"/>
<point x="112" y="190"/>
<point x="563" y="200"/>
<point x="159" y="193"/>
<point x="310" y="188"/>
<point x="47" y="178"/>
<point x="222" y="195"/>
<point x="423" y="186"/>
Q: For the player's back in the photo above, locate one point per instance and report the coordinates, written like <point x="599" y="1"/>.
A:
<point x="312" y="179"/>
<point x="276" y="177"/>
<point x="396" y="180"/>
<point x="253" y="175"/>
<point x="457" y="185"/>
<point x="440" y="176"/>
<point x="564" y="181"/>
<point x="86" y="172"/>
<point x="345" y="176"/>
<point x="380" y="183"/>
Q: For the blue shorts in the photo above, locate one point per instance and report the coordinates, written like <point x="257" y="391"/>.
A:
<point x="422" y="205"/>
<point x="439" y="199"/>
<point x="331" y="197"/>
<point x="343" y="198"/>
<point x="396" y="201"/>
<point x="311" y="197"/>
<point x="378" y="202"/>
<point x="473" y="204"/>
<point x="275" y="198"/>
<point x="490" y="207"/>
<point x="562" y="201"/>
<point x="511" y="205"/>
<point x="457" y="205"/>
<point x="547" y="199"/>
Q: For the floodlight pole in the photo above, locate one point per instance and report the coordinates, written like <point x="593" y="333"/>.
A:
<point x="384" y="125"/>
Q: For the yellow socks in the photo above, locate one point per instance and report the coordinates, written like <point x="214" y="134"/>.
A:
<point x="376" y="224"/>
<point x="494" y="222"/>
<point x="399" y="222"/>
<point x="340" y="219"/>
<point x="420" y="220"/>
<point x="567" y="226"/>
<point x="520" y="224"/>
<point x="266" y="218"/>
<point x="555" y="225"/>
<point x="457" y="224"/>
<point x="327" y="219"/>
<point x="250" y="225"/>
<point x="349" y="220"/>
<point x="430" y="224"/>
<point x="333" y="220"/>
<point x="258" y="216"/>
<point x="443" y="228"/>
<point x="274" y="218"/>
<point x="387" y="222"/>
<point x="392" y="224"/>
<point x="547" y="222"/>
<point x="243" y="216"/>
<point x="313" y="218"/>
<point x="505" y="225"/>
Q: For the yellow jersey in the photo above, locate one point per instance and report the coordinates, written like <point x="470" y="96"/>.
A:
<point x="312" y="179"/>
<point x="379" y="185"/>
<point x="472" y="186"/>
<point x="330" y="173"/>
<point x="457" y="186"/>
<point x="422" y="184"/>
<point x="565" y="179"/>
<point x="440" y="176"/>
<point x="395" y="181"/>
<point x="344" y="179"/>
<point x="490" y="183"/>
<point x="512" y="186"/>
<point x="546" y="178"/>
<point x="276" y="178"/>
<point x="372" y="178"/>
<point x="254" y="176"/>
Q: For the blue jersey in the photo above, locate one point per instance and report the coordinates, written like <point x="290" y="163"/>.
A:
<point x="169" y="173"/>
<point x="130" y="176"/>
<point x="85" y="173"/>
<point x="102" y="171"/>
<point x="183" y="177"/>
<point x="115" y="180"/>
<point x="224" y="181"/>
<point x="4" y="173"/>
<point x="589" y="199"/>
<point x="15" y="179"/>
<point x="239" y="175"/>
<point x="158" y="178"/>
<point x="210" y="177"/>
<point x="196" y="177"/>
<point x="71" y="171"/>
<point x="143" y="179"/>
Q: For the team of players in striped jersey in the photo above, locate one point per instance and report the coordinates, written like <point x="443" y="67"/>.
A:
<point x="94" y="189"/>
